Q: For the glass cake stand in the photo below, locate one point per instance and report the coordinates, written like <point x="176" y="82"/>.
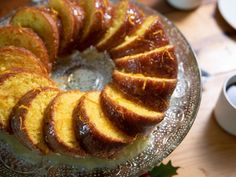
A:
<point x="92" y="70"/>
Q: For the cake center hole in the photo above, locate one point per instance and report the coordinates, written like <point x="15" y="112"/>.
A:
<point x="88" y="70"/>
<point x="84" y="78"/>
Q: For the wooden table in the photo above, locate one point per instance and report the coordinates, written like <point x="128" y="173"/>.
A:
<point x="207" y="151"/>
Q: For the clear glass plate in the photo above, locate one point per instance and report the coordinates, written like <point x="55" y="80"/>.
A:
<point x="17" y="161"/>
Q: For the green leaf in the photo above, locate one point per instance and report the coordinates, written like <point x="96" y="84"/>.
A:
<point x="163" y="170"/>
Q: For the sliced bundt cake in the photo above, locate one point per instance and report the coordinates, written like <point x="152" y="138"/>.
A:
<point x="13" y="85"/>
<point x="80" y="124"/>
<point x="150" y="35"/>
<point x="127" y="114"/>
<point x="126" y="18"/>
<point x="25" y="38"/>
<point x="43" y="23"/>
<point x="96" y="133"/>
<point x="27" y="118"/>
<point x="72" y="18"/>
<point x="59" y="124"/>
<point x="160" y="62"/>
<point x="16" y="57"/>
<point x="148" y="89"/>
<point x="97" y="20"/>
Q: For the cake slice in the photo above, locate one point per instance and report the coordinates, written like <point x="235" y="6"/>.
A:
<point x="13" y="85"/>
<point x="16" y="57"/>
<point x="96" y="133"/>
<point x="150" y="35"/>
<point x="72" y="19"/>
<point x="27" y="118"/>
<point x="59" y="125"/>
<point x="43" y="24"/>
<point x="25" y="38"/>
<point x="156" y="91"/>
<point x="97" y="20"/>
<point x="127" y="114"/>
<point x="126" y="18"/>
<point x="159" y="62"/>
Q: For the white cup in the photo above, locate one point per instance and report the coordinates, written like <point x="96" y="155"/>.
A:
<point x="225" y="110"/>
<point x="185" y="4"/>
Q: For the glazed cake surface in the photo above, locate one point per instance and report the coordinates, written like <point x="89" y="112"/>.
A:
<point x="77" y="125"/>
<point x="27" y="118"/>
<point x="16" y="57"/>
<point x="59" y="124"/>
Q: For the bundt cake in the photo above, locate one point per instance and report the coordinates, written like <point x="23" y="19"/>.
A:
<point x="59" y="124"/>
<point x="95" y="132"/>
<point x="27" y="118"/>
<point x="16" y="57"/>
<point x="91" y="123"/>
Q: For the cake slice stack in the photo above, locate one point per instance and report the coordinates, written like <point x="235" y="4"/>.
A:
<point x="150" y="35"/>
<point x="59" y="125"/>
<point x="16" y="57"/>
<point x="96" y="133"/>
<point x="152" y="91"/>
<point x="27" y="118"/>
<point x="97" y="20"/>
<point x="160" y="62"/>
<point x="71" y="16"/>
<point x="25" y="38"/>
<point x="127" y="114"/>
<point x="13" y="85"/>
<point x="126" y="18"/>
<point x="43" y="23"/>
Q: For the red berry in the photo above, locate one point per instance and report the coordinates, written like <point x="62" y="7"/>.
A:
<point x="145" y="175"/>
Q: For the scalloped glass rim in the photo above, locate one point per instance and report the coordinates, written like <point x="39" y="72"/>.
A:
<point x="165" y="138"/>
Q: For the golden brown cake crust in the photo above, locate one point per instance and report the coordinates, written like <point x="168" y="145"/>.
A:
<point x="127" y="120"/>
<point x="154" y="93"/>
<point x="10" y="74"/>
<point x="51" y="136"/>
<point x="101" y="21"/>
<point x="11" y="51"/>
<point x="18" y="115"/>
<point x="91" y="140"/>
<point x="153" y="38"/>
<point x="50" y="37"/>
<point x="71" y="16"/>
<point x="157" y="63"/>
<point x="10" y="35"/>
<point x="79" y="15"/>
<point x="134" y="17"/>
